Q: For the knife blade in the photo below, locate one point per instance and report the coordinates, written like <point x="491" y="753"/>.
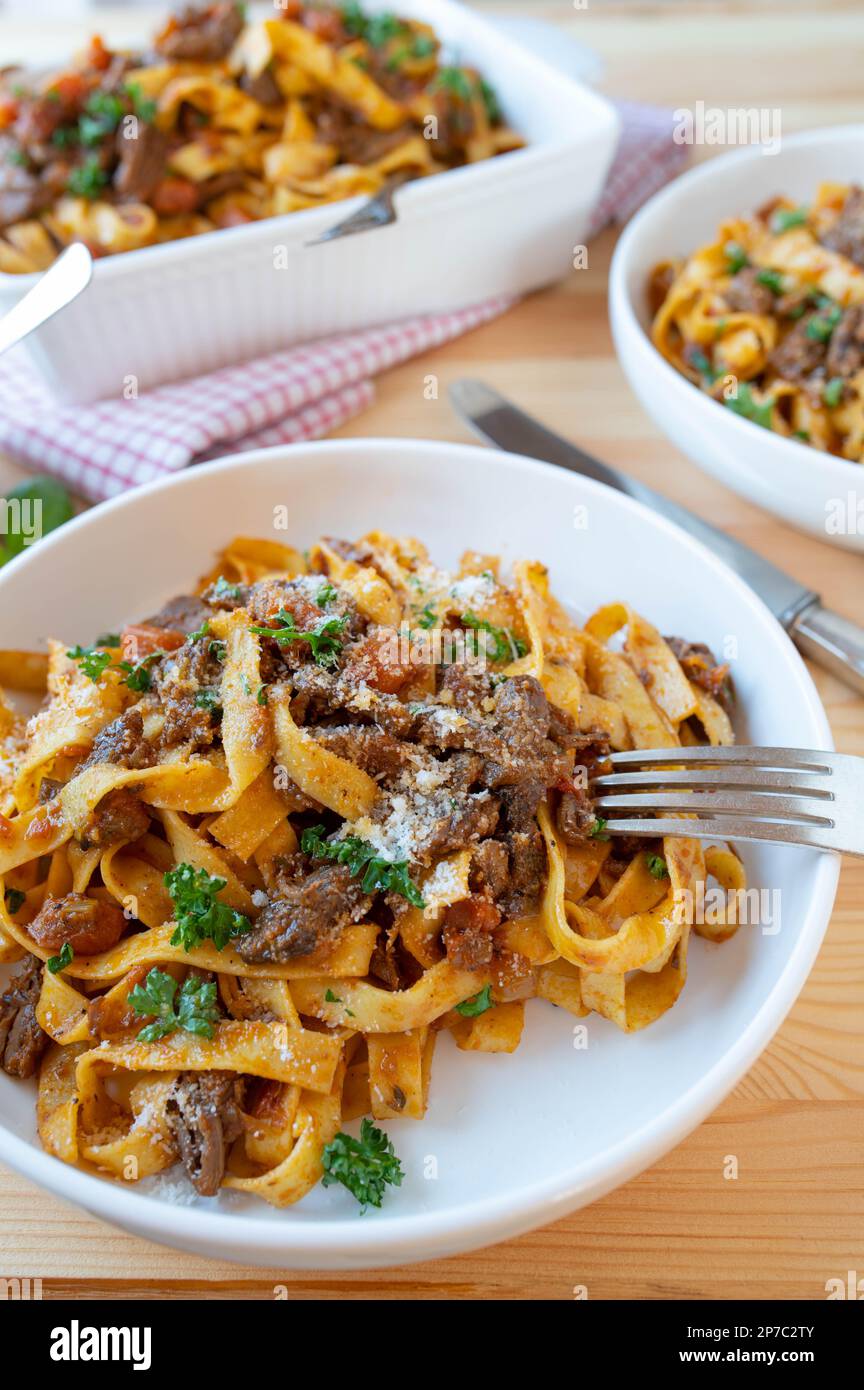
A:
<point x="823" y="636"/>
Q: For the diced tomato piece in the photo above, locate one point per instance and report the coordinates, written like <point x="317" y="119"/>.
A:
<point x="9" y="109"/>
<point x="140" y="640"/>
<point x="98" y="56"/>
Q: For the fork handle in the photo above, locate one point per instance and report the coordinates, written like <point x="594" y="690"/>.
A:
<point x="831" y="641"/>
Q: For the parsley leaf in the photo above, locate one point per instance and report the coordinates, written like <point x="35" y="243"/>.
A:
<point x="598" y="830"/>
<point x="323" y="638"/>
<point x="477" y="1005"/>
<point x="822" y="325"/>
<point x="144" y="108"/>
<point x="325" y="595"/>
<point x="379" y="875"/>
<point x="786" y="218"/>
<point x="736" y="257"/>
<point x="428" y="617"/>
<point x="209" y="698"/>
<point x="505" y="647"/>
<point x="198" y="912"/>
<point x="656" y="866"/>
<point x="832" y="392"/>
<point x="745" y="403"/>
<point x="14" y="900"/>
<point x="92" y="661"/>
<point x="222" y="589"/>
<point x="58" y="963"/>
<point x="365" y="1166"/>
<point x="138" y="676"/>
<point x="195" y="1010"/>
<point x="88" y="179"/>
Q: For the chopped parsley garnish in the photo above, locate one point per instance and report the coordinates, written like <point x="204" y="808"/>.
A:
<point x="428" y="617"/>
<point x="325" y="595"/>
<point x="202" y="631"/>
<point x="60" y="962"/>
<point x="376" y="29"/>
<point x="331" y="998"/>
<point x="379" y="875"/>
<point x="88" y="179"/>
<point x="736" y="257"/>
<point x="198" y="912"/>
<point x="505" y="647"/>
<point x="92" y="661"/>
<point x="223" y="589"/>
<point x="785" y="219"/>
<point x="698" y="359"/>
<point x="598" y="830"/>
<point x="144" y="108"/>
<point x="324" y="638"/>
<point x="832" y="392"/>
<point x="19" y="157"/>
<point x="209" y="698"/>
<point x="261" y="697"/>
<point x="108" y="639"/>
<point x="656" y="866"/>
<point x="138" y="675"/>
<point x="194" y="1009"/>
<point x="745" y="403"/>
<point x="803" y="435"/>
<point x="822" y="325"/>
<point x="455" y="80"/>
<point x="103" y="113"/>
<point x="477" y="1004"/>
<point x="217" y="650"/>
<point x="14" y="900"/>
<point x="772" y="279"/>
<point x="366" y="1166"/>
<point x="422" y="46"/>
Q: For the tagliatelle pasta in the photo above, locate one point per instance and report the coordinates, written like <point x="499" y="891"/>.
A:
<point x="768" y="318"/>
<point x="228" y="122"/>
<point x="261" y="849"/>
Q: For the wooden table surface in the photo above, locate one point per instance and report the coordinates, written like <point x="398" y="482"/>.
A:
<point x="795" y="1216"/>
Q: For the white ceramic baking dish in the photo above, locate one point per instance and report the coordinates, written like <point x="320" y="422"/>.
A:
<point x="503" y="226"/>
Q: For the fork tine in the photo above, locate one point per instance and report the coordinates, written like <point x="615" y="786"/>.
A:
<point x="715" y="803"/>
<point x="732" y="828"/>
<point x="744" y="778"/>
<point x="805" y="760"/>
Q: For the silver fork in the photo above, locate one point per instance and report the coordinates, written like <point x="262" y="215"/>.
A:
<point x="781" y="795"/>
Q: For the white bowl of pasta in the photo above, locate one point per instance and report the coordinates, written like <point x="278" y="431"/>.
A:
<point x="738" y="287"/>
<point x="264" y="815"/>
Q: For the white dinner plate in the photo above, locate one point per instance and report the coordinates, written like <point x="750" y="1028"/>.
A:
<point x="509" y="1142"/>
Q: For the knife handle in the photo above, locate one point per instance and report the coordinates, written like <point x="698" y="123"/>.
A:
<point x="832" y="642"/>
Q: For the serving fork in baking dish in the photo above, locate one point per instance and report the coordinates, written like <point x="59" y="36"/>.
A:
<point x="788" y="796"/>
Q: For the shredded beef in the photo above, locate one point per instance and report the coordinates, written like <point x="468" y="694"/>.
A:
<point x="847" y="234"/>
<point x="367" y="746"/>
<point x="88" y="924"/>
<point x="490" y="869"/>
<point x="119" y="816"/>
<point x="22" y="1040"/>
<point x="179" y="679"/>
<point x="204" y="1115"/>
<point x="846" y="348"/>
<point x="798" y="356"/>
<point x="703" y="669"/>
<point x="575" y="816"/>
<point x="142" y="162"/>
<point x="185" y="614"/>
<point x="262" y="88"/>
<point x="122" y="742"/>
<point x="23" y="193"/>
<point x="202" y="35"/>
<point x="310" y="913"/>
<point x="745" y="294"/>
<point x="468" y="932"/>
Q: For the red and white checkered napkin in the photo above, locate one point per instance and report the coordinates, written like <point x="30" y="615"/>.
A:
<point x="302" y="393"/>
